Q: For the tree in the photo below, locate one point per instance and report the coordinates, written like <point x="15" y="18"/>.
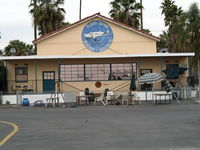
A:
<point x="126" y="11"/>
<point x="171" y="12"/>
<point x="47" y="15"/>
<point x="174" y="21"/>
<point x="183" y="32"/>
<point x="193" y="29"/>
<point x="22" y="49"/>
<point x="163" y="43"/>
<point x="147" y="31"/>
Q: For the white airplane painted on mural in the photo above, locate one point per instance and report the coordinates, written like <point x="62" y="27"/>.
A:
<point x="95" y="34"/>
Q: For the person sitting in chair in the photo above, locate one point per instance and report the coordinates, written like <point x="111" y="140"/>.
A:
<point x="105" y="92"/>
<point x="90" y="94"/>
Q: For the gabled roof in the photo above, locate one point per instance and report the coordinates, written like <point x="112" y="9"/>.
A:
<point x="97" y="15"/>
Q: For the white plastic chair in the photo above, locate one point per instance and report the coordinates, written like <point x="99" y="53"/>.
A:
<point x="109" y="97"/>
<point x="136" y="98"/>
<point x="100" y="99"/>
<point x="125" y="98"/>
<point x="83" y="98"/>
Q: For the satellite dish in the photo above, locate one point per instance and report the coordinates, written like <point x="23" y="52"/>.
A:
<point x="12" y="51"/>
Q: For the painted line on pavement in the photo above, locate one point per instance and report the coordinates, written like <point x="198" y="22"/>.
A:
<point x="16" y="128"/>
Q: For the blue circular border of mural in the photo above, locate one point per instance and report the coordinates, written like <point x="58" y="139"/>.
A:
<point x="97" y="36"/>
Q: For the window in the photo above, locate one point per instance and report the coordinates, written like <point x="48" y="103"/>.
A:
<point x="71" y="72"/>
<point x="21" y="74"/>
<point x="94" y="72"/>
<point x="123" y="71"/>
<point x="146" y="86"/>
<point x="48" y="75"/>
<point x="145" y="71"/>
<point x="97" y="71"/>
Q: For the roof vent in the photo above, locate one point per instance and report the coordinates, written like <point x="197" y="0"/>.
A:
<point x="163" y="50"/>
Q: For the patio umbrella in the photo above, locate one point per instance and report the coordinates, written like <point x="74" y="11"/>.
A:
<point x="149" y="79"/>
<point x="132" y="85"/>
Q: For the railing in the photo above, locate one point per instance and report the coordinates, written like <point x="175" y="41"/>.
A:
<point x="36" y="86"/>
<point x="33" y="86"/>
<point x="13" y="86"/>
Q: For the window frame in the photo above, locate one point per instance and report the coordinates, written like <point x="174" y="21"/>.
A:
<point x="21" y="81"/>
<point x="110" y="72"/>
<point x="97" y="71"/>
<point x="145" y="87"/>
<point x="70" y="75"/>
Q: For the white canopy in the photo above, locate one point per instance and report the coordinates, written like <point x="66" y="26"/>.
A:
<point x="96" y="56"/>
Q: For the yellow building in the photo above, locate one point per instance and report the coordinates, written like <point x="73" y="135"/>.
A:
<point x="93" y="49"/>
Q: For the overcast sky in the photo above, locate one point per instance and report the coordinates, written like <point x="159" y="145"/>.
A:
<point x="16" y="22"/>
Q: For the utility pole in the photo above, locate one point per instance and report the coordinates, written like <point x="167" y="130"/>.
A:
<point x="35" y="27"/>
<point x="141" y="17"/>
<point x="80" y="9"/>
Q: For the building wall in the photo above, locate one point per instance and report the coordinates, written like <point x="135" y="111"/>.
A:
<point x="183" y="61"/>
<point x="52" y="65"/>
<point x="11" y="65"/>
<point x="69" y="42"/>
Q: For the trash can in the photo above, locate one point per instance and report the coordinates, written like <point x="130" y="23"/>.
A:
<point x="189" y="91"/>
<point x="25" y="102"/>
<point x="182" y="93"/>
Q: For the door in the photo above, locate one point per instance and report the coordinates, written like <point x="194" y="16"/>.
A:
<point x="48" y="81"/>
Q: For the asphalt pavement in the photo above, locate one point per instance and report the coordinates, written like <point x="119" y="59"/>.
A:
<point x="138" y="127"/>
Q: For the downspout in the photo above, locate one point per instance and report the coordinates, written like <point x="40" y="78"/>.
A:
<point x="138" y="69"/>
<point x="35" y="62"/>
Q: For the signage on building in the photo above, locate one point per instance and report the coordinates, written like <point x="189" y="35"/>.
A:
<point x="97" y="36"/>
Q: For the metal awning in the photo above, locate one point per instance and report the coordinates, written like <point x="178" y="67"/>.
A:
<point x="36" y="57"/>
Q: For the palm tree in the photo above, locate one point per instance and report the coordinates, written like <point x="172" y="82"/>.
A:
<point x="193" y="28"/>
<point x="171" y="12"/>
<point x="126" y="11"/>
<point x="183" y="32"/>
<point x="47" y="15"/>
<point x="174" y="21"/>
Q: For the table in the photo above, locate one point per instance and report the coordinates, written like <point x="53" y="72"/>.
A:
<point x="159" y="95"/>
<point x="85" y="99"/>
<point x="111" y="98"/>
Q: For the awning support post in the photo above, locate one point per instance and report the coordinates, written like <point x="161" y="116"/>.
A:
<point x="35" y="63"/>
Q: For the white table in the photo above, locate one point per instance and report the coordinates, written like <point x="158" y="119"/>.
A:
<point x="160" y="95"/>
